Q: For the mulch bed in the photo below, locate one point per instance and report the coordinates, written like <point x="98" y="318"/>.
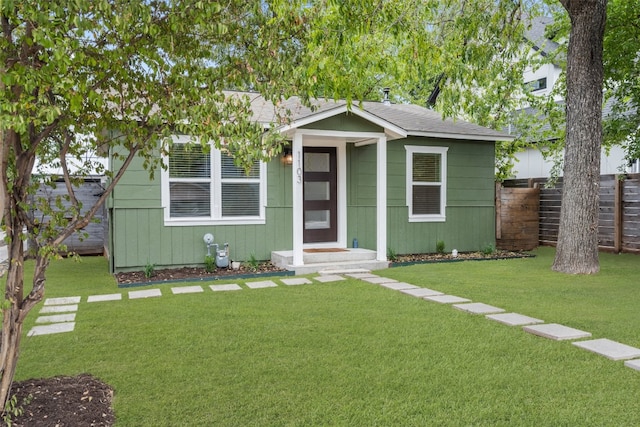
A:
<point x="462" y="256"/>
<point x="191" y="273"/>
<point x="64" y="402"/>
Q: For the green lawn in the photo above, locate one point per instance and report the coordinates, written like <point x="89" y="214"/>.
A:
<point x="351" y="353"/>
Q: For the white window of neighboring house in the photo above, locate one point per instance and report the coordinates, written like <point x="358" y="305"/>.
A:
<point x="426" y="183"/>
<point x="539" y="84"/>
<point x="203" y="188"/>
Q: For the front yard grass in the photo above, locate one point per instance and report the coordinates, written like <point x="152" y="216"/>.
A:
<point x="351" y="353"/>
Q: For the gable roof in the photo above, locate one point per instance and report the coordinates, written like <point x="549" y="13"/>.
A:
<point x="536" y="35"/>
<point x="398" y="120"/>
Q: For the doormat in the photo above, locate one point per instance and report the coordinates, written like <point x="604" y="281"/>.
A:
<point x="325" y="250"/>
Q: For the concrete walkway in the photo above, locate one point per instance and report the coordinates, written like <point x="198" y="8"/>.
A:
<point x="59" y="314"/>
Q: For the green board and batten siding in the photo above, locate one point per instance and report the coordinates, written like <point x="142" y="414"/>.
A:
<point x="470" y="214"/>
<point x="139" y="236"/>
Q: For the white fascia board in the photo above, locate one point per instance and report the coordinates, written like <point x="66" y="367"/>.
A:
<point x="391" y="129"/>
<point x="464" y="136"/>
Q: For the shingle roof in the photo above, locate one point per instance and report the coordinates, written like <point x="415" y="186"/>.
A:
<point x="413" y="119"/>
<point x="536" y="35"/>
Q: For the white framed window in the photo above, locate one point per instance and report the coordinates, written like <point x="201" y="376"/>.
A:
<point x="205" y="187"/>
<point x="426" y="183"/>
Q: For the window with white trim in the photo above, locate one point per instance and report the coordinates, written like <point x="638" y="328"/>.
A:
<point x="426" y="183"/>
<point x="202" y="187"/>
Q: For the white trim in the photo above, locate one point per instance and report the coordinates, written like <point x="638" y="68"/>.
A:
<point x="465" y="136"/>
<point x="410" y="150"/>
<point x="394" y="131"/>
<point x="381" y="205"/>
<point x="296" y="180"/>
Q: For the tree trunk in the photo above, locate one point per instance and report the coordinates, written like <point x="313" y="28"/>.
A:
<point x="577" y="250"/>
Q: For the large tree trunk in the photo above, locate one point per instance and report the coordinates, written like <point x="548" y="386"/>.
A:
<point x="577" y="250"/>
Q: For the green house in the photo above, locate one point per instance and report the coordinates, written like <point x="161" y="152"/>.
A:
<point x="355" y="184"/>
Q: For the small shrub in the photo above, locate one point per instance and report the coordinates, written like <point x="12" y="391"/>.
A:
<point x="253" y="263"/>
<point x="12" y="409"/>
<point x="440" y="246"/>
<point x="209" y="263"/>
<point x="391" y="254"/>
<point x="489" y="249"/>
<point x="149" y="269"/>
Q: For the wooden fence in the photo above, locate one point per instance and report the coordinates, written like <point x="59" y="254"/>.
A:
<point x="619" y="216"/>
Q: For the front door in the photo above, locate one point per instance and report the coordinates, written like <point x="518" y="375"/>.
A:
<point x="320" y="195"/>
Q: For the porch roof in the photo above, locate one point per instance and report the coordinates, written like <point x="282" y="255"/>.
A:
<point x="400" y="119"/>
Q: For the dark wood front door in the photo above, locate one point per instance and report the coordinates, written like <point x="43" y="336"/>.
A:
<point x="320" y="195"/>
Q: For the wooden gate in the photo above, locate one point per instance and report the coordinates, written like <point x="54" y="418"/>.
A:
<point x="517" y="218"/>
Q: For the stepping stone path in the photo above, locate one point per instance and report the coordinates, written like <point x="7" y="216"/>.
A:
<point x="57" y="323"/>
<point x="60" y="313"/>
<point x="605" y="347"/>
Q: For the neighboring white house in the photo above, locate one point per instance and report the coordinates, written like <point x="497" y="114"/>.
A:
<point x="531" y="162"/>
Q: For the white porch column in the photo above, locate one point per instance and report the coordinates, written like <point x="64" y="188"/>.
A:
<point x="381" y="205"/>
<point x="297" y="177"/>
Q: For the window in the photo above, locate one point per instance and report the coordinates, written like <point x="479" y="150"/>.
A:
<point x="538" y="84"/>
<point x="201" y="188"/>
<point x="426" y="183"/>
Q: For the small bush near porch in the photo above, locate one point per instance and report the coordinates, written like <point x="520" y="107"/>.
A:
<point x="353" y="353"/>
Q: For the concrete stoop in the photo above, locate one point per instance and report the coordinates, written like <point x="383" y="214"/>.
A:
<point x="330" y="261"/>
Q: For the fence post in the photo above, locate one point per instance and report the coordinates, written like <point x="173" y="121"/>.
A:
<point x="617" y="214"/>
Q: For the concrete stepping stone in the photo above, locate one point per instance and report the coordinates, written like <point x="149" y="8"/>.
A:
<point x="609" y="349"/>
<point x="361" y="275"/>
<point x="478" y="308"/>
<point x="62" y="301"/>
<point x="186" y="290"/>
<point x="261" y="284"/>
<point x="296" y="281"/>
<point x="398" y="286"/>
<point x="59" y="308"/>
<point x="147" y="293"/>
<point x="107" y="297"/>
<point x="556" y="332"/>
<point x="329" y="278"/>
<point x="228" y="287"/>
<point x="54" y="328"/>
<point x="57" y="318"/>
<point x="420" y="292"/>
<point x="446" y="299"/>
<point x="633" y="364"/>
<point x="378" y="280"/>
<point x="514" y="319"/>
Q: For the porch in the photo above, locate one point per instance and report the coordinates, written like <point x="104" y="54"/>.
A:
<point x="328" y="260"/>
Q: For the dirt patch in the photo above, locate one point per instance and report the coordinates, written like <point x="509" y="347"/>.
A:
<point x="64" y="402"/>
<point x="189" y="273"/>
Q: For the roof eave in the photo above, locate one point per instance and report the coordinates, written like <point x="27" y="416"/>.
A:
<point x="466" y="136"/>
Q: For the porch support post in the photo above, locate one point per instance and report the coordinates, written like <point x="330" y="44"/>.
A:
<point x="297" y="177"/>
<point x="381" y="205"/>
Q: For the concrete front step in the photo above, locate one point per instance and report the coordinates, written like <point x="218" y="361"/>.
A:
<point x="284" y="258"/>
<point x="338" y="267"/>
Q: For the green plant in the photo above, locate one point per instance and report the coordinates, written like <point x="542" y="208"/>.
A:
<point x="253" y="263"/>
<point x="440" y="246"/>
<point x="12" y="409"/>
<point x="488" y="249"/>
<point x="392" y="255"/>
<point x="209" y="263"/>
<point x="149" y="270"/>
